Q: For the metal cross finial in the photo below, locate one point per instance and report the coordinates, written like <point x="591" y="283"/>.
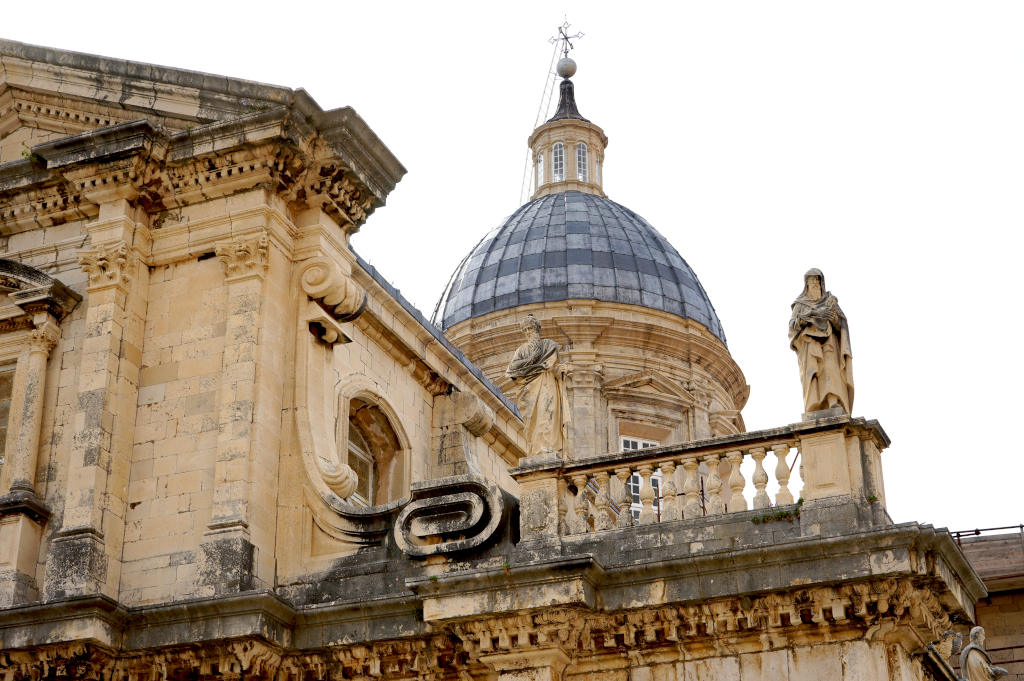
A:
<point x="564" y="36"/>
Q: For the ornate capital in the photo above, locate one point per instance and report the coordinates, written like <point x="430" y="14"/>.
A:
<point x="244" y="257"/>
<point x="43" y="338"/>
<point x="107" y="265"/>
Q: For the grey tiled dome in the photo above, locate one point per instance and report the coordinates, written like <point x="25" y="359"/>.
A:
<point x="574" y="245"/>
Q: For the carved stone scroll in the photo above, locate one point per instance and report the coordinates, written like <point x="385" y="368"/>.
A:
<point x="449" y="515"/>
<point x="324" y="281"/>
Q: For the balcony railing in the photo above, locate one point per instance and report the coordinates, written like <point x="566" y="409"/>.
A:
<point x="838" y="456"/>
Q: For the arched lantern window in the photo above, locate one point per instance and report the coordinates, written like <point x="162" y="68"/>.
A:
<point x="557" y="162"/>
<point x="581" y="162"/>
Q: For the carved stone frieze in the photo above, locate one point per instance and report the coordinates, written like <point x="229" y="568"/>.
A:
<point x="107" y="265"/>
<point x="244" y="257"/>
<point x="337" y="190"/>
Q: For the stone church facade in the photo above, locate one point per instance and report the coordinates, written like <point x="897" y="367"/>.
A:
<point x="233" y="450"/>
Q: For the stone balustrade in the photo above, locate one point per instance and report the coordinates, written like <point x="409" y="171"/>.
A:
<point x="839" y="456"/>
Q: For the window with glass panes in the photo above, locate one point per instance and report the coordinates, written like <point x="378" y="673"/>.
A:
<point x="581" y="162"/>
<point x="557" y="162"/>
<point x="361" y="461"/>
<point x="6" y="387"/>
<point x="635" y="482"/>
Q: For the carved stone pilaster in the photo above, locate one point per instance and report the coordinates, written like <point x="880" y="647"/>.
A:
<point x="107" y="265"/>
<point x="244" y="257"/>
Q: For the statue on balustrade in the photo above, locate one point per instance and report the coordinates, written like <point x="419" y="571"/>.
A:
<point x="819" y="334"/>
<point x="542" y="400"/>
<point x="975" y="664"/>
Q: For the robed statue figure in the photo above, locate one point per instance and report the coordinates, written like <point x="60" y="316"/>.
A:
<point x="819" y="334"/>
<point x="975" y="664"/>
<point x="542" y="398"/>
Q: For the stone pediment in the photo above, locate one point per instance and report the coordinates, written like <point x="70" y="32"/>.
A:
<point x="647" y="384"/>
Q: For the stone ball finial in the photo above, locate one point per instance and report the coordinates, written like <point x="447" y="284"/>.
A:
<point x="566" y="67"/>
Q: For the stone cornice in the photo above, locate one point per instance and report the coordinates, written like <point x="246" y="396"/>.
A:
<point x="185" y="99"/>
<point x="158" y="169"/>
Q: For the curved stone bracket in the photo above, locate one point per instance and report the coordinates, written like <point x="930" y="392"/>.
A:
<point x="323" y="280"/>
<point x="449" y="515"/>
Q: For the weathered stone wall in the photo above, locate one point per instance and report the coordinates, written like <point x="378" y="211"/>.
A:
<point x="999" y="560"/>
<point x="1002" y="615"/>
<point x="169" y="413"/>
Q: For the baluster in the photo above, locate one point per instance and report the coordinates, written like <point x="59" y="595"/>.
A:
<point x="782" y="475"/>
<point x="691" y="489"/>
<point x="736" y="482"/>
<point x="669" y="503"/>
<point x="576" y="517"/>
<point x="603" y="514"/>
<point x="646" y="495"/>
<point x="713" y="485"/>
<point x="760" y="479"/>
<point x="625" y="499"/>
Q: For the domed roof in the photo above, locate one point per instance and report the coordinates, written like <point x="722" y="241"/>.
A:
<point x="575" y="245"/>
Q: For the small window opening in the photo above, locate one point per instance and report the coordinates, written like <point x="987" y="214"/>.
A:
<point x="581" y="162"/>
<point x="6" y="388"/>
<point x="557" y="163"/>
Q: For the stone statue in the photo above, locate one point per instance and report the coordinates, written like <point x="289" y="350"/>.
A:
<point x="819" y="334"/>
<point x="542" y="400"/>
<point x="975" y="664"/>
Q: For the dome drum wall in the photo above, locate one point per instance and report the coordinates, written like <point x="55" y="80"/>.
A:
<point x="631" y="371"/>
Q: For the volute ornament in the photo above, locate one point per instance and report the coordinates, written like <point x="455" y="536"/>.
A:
<point x="323" y="280"/>
<point x="820" y="336"/>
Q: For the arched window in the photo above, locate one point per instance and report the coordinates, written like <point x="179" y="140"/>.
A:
<point x="557" y="163"/>
<point x="540" y="169"/>
<point x="374" y="453"/>
<point x="581" y="162"/>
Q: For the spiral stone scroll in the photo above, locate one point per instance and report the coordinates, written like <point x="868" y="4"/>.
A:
<point x="323" y="280"/>
<point x="449" y="515"/>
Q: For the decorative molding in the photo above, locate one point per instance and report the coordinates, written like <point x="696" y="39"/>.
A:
<point x="107" y="265"/>
<point x="36" y="292"/>
<point x="244" y="257"/>
<point x="893" y="611"/>
<point x="43" y="338"/>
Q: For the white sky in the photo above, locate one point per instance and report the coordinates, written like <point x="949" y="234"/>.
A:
<point x="881" y="141"/>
